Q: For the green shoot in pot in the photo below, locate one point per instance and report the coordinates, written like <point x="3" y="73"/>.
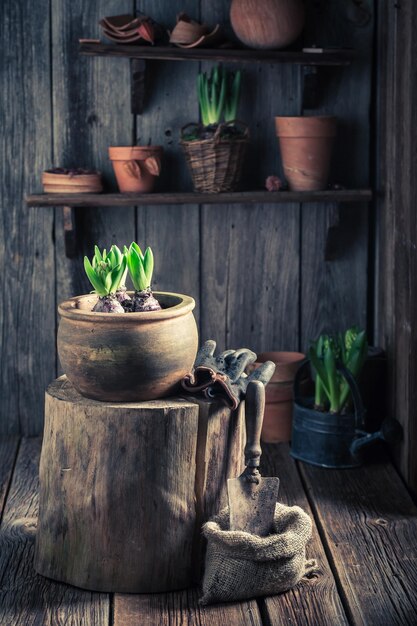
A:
<point x="218" y="93"/>
<point x="106" y="272"/>
<point x="331" y="388"/>
<point x="232" y="96"/>
<point x="141" y="269"/>
<point x="211" y="95"/>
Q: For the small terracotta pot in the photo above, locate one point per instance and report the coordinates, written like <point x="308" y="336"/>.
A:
<point x="267" y="24"/>
<point x="277" y="422"/>
<point x="286" y="364"/>
<point x="306" y="146"/>
<point x="187" y="31"/>
<point x="66" y="181"/>
<point x="136" y="168"/>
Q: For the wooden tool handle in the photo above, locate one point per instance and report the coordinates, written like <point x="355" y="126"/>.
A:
<point x="254" y="415"/>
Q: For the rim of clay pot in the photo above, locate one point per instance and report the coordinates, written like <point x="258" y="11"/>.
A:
<point x="305" y="126"/>
<point x="126" y="153"/>
<point x="280" y="357"/>
<point x="176" y="305"/>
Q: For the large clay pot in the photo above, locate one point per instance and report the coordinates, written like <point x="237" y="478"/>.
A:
<point x="136" y="167"/>
<point x="277" y="422"/>
<point x="306" y="146"/>
<point x="127" y="357"/>
<point x="267" y="24"/>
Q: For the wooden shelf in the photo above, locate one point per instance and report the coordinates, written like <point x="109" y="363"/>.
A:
<point x="167" y="53"/>
<point x="237" y="197"/>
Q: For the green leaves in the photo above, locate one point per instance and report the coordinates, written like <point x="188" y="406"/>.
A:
<point x="140" y="266"/>
<point x="232" y="98"/>
<point x="106" y="271"/>
<point x="217" y="92"/>
<point x="350" y="350"/>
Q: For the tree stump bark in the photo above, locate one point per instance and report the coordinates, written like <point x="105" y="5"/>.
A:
<point x="125" y="488"/>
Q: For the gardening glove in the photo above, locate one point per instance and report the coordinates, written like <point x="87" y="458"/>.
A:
<point x="224" y="376"/>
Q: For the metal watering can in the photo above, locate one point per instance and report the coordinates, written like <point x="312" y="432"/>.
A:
<point x="334" y="441"/>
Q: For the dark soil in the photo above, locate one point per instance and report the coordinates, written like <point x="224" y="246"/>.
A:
<point x="77" y="171"/>
<point x="201" y="133"/>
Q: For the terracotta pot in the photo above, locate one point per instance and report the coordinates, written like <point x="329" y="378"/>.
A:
<point x="306" y="146"/>
<point x="277" y="422"/>
<point x="61" y="180"/>
<point x="127" y="357"/>
<point x="286" y="364"/>
<point x="267" y="24"/>
<point x="187" y="31"/>
<point x="137" y="167"/>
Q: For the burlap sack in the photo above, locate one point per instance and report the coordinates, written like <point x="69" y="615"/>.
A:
<point x="240" y="566"/>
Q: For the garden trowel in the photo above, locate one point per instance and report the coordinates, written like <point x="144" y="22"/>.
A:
<point x="252" y="499"/>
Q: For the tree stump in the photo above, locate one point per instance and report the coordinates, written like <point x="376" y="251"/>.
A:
<point x="125" y="488"/>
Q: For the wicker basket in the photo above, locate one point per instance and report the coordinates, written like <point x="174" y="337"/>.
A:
<point x="216" y="164"/>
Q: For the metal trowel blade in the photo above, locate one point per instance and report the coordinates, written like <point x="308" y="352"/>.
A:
<point x="251" y="505"/>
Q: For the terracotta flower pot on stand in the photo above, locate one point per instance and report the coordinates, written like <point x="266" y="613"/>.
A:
<point x="306" y="146"/>
<point x="279" y="395"/>
<point x="136" y="167"/>
<point x="267" y="24"/>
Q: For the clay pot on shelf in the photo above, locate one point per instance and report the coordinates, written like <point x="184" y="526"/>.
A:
<point x="267" y="24"/>
<point x="127" y="357"/>
<point x="136" y="168"/>
<point x="306" y="146"/>
<point x="187" y="31"/>
<point x="62" y="180"/>
<point x="277" y="422"/>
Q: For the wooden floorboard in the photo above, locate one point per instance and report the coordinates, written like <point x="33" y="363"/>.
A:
<point x="26" y="598"/>
<point x="181" y="609"/>
<point x="314" y="601"/>
<point x="8" y="451"/>
<point x="369" y="524"/>
<point x="365" y="543"/>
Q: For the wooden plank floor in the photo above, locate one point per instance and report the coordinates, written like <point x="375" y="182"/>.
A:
<point x="364" y="539"/>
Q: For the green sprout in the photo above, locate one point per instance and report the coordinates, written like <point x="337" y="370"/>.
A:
<point x="326" y="355"/>
<point x="106" y="271"/>
<point x="232" y="96"/>
<point x="140" y="266"/>
<point x="218" y="93"/>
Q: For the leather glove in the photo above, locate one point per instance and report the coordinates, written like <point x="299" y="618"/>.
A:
<point x="223" y="376"/>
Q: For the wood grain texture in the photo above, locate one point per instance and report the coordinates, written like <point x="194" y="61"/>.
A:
<point x="26" y="598"/>
<point x="91" y="106"/>
<point x="8" y="451"/>
<point x="369" y="525"/>
<point x="397" y="297"/>
<point x="330" y="57"/>
<point x="171" y="102"/>
<point x="314" y="600"/>
<point x="27" y="312"/>
<point x="334" y="293"/>
<point x="250" y="256"/>
<point x="181" y="608"/>
<point x="121" y="517"/>
<point x="175" y="197"/>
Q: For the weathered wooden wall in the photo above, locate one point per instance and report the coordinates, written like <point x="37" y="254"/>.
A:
<point x="258" y="273"/>
<point x="396" y="289"/>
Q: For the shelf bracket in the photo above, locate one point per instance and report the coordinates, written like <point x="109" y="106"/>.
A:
<point x="137" y="86"/>
<point x="70" y="235"/>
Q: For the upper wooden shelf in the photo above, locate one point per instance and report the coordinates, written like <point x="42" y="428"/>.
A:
<point x="240" y="197"/>
<point x="167" y="53"/>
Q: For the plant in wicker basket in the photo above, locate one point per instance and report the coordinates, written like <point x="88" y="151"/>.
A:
<point x="215" y="149"/>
